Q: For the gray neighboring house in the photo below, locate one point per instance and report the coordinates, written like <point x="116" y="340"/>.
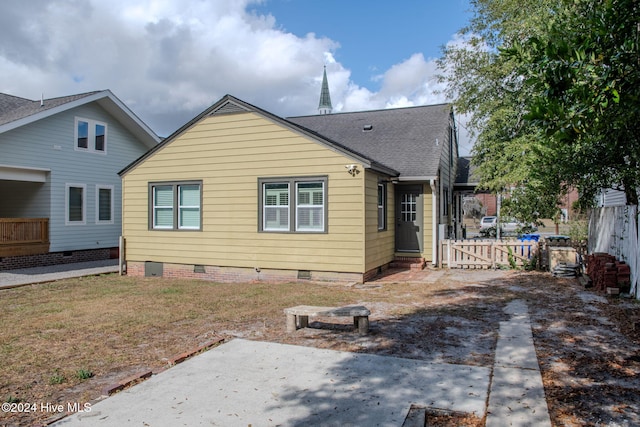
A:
<point x="609" y="197"/>
<point x="60" y="193"/>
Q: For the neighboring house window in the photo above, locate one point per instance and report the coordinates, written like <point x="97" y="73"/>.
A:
<point x="104" y="204"/>
<point x="175" y="206"/>
<point x="76" y="204"/>
<point x="382" y="207"/>
<point x="100" y="137"/>
<point x="293" y="204"/>
<point x="90" y="135"/>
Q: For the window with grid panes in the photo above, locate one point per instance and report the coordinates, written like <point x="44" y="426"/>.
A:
<point x="408" y="207"/>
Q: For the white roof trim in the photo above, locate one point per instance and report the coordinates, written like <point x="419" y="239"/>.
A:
<point x="146" y="131"/>
<point x="417" y="178"/>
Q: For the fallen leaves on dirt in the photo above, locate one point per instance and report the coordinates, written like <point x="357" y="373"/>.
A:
<point x="587" y="352"/>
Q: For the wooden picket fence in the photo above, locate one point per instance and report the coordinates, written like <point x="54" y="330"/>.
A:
<point x="482" y="254"/>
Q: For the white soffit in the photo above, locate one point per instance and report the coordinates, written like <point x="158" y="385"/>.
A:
<point x="21" y="173"/>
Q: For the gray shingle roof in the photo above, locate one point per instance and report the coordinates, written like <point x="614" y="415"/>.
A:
<point x="403" y="138"/>
<point x="467" y="178"/>
<point x="13" y="108"/>
<point x="467" y="172"/>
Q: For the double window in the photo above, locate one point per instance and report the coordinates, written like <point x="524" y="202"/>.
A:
<point x="293" y="204"/>
<point x="175" y="206"/>
<point x="90" y="135"/>
<point x="76" y="204"/>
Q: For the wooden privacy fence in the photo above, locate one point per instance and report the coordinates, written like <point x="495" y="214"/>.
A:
<point x="487" y="253"/>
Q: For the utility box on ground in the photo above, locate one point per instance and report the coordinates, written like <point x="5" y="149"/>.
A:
<point x="561" y="255"/>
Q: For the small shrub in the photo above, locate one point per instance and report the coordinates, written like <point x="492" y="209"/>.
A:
<point x="512" y="259"/>
<point x="84" y="374"/>
<point x="579" y="231"/>
<point x="12" y="399"/>
<point x="531" y="264"/>
<point x="57" y="378"/>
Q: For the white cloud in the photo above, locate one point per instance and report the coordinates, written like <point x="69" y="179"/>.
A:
<point x="168" y="60"/>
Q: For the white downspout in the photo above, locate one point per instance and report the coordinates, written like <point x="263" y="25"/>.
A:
<point x="434" y="220"/>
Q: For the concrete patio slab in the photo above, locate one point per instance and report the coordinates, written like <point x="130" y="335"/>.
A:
<point x="255" y="383"/>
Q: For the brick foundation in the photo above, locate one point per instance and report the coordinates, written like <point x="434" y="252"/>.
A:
<point x="373" y="273"/>
<point x="56" y="258"/>
<point x="240" y="274"/>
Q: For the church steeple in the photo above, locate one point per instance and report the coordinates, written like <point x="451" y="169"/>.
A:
<point x="324" y="107"/>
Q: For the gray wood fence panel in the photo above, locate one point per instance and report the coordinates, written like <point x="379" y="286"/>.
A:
<point x="614" y="230"/>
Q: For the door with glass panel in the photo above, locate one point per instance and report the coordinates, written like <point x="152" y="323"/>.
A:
<point x="409" y="218"/>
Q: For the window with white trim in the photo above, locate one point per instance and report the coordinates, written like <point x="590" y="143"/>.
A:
<point x="293" y="204"/>
<point x="310" y="206"/>
<point x="189" y="207"/>
<point x="104" y="204"/>
<point x="382" y="206"/>
<point x="90" y="135"/>
<point x="275" y="206"/>
<point x="75" y="210"/>
<point x="175" y="206"/>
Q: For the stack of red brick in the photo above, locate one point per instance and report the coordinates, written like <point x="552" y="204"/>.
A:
<point x="608" y="274"/>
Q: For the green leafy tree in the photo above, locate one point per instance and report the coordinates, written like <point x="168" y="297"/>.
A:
<point x="584" y="77"/>
<point x="489" y="85"/>
<point x="554" y="90"/>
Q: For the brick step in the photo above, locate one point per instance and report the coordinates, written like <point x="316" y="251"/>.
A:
<point x="412" y="263"/>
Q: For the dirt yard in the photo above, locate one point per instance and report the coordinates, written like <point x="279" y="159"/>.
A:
<point x="54" y="335"/>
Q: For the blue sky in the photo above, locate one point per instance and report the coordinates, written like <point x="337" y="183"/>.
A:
<point x="373" y="35"/>
<point x="168" y="60"/>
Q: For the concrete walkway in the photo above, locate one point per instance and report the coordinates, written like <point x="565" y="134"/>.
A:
<point x="29" y="276"/>
<point x="517" y="393"/>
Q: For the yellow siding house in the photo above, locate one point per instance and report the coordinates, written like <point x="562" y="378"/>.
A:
<point x="240" y="194"/>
